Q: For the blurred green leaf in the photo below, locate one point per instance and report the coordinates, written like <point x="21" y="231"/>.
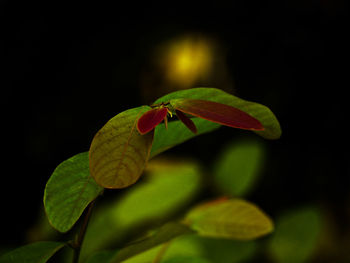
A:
<point x="41" y="229"/>
<point x="171" y="183"/>
<point x="68" y="192"/>
<point x="182" y="259"/>
<point x="296" y="235"/>
<point x="224" y="250"/>
<point x="178" y="133"/>
<point x="184" y="246"/>
<point x="168" y="187"/>
<point x="101" y="257"/>
<point x="193" y="247"/>
<point x="38" y="252"/>
<point x="164" y="234"/>
<point x="232" y="219"/>
<point x="236" y="170"/>
<point x="210" y="249"/>
<point x="118" y="152"/>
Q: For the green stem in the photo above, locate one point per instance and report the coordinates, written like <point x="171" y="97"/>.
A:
<point x="80" y="238"/>
<point x="161" y="252"/>
<point x="164" y="234"/>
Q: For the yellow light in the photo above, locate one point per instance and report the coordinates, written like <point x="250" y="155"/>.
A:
<point x="188" y="60"/>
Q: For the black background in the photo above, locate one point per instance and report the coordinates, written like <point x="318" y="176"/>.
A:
<point x="68" y="68"/>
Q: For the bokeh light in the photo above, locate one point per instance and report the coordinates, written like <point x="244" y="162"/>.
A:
<point x="185" y="61"/>
<point x="188" y="60"/>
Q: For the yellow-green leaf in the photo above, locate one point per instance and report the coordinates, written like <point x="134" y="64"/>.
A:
<point x="118" y="153"/>
<point x="232" y="219"/>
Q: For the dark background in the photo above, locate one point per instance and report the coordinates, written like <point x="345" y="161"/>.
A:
<point x="68" y="68"/>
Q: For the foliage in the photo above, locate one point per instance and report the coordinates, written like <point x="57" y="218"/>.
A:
<point x="68" y="192"/>
<point x="296" y="235"/>
<point x="118" y="153"/>
<point x="153" y="220"/>
<point x="238" y="167"/>
<point x="38" y="252"/>
<point x="164" y="140"/>
<point x="232" y="219"/>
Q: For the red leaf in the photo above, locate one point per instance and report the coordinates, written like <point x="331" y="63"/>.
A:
<point x="151" y="119"/>
<point x="219" y="113"/>
<point x="187" y="121"/>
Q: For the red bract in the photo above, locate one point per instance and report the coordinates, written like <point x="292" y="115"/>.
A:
<point x="187" y="121"/>
<point x="209" y="110"/>
<point x="151" y="119"/>
<point x="219" y="113"/>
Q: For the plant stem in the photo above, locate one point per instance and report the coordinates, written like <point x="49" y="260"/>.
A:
<point x="80" y="238"/>
<point x="161" y="252"/>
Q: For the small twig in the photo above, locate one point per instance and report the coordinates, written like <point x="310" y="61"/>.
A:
<point x="161" y="252"/>
<point x="80" y="238"/>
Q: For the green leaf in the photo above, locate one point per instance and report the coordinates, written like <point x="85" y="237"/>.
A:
<point x="178" y="133"/>
<point x="69" y="191"/>
<point x="186" y="246"/>
<point x="232" y="219"/>
<point x="210" y="249"/>
<point x="236" y="170"/>
<point x="38" y="252"/>
<point x="171" y="184"/>
<point x="182" y="259"/>
<point x="168" y="187"/>
<point x="224" y="250"/>
<point x="296" y="235"/>
<point x="193" y="247"/>
<point x="118" y="153"/>
<point x="42" y="229"/>
<point x="164" y="234"/>
<point x="101" y="257"/>
<point x="180" y="247"/>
